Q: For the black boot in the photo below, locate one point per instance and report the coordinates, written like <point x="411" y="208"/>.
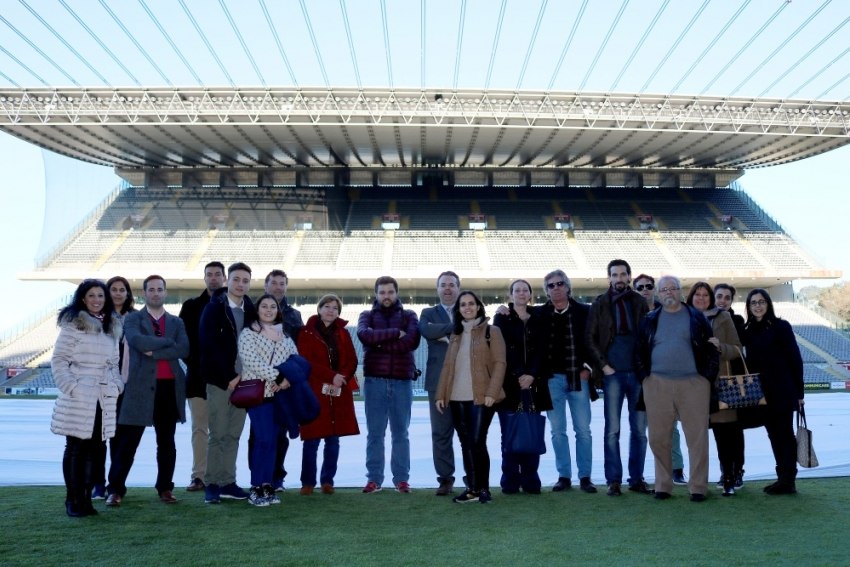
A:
<point x="729" y="483"/>
<point x="771" y="487"/>
<point x="73" y="479"/>
<point x="787" y="483"/>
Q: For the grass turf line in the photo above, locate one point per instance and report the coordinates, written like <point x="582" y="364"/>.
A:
<point x="352" y="529"/>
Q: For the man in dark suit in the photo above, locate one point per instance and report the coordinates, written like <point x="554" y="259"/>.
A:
<point x="435" y="324"/>
<point x="155" y="393"/>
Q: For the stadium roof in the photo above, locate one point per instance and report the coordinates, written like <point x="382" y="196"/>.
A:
<point x="353" y="128"/>
<point x="467" y="83"/>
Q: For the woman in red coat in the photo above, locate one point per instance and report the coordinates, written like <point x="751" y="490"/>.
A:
<point x="327" y="345"/>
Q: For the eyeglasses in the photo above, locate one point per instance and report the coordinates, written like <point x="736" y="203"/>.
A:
<point x="758" y="303"/>
<point x="642" y="287"/>
<point x="669" y="289"/>
<point x="553" y="285"/>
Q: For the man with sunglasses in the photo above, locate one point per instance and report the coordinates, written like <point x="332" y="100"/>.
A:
<point x="611" y="340"/>
<point x="565" y="363"/>
<point x="155" y="393"/>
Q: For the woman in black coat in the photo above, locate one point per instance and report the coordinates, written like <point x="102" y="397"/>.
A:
<point x="522" y="374"/>
<point x="772" y="351"/>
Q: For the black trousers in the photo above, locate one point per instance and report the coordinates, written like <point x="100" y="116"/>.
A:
<point x="471" y="423"/>
<point x="79" y="461"/>
<point x="128" y="437"/>
<point x="729" y="438"/>
<point x="780" y="430"/>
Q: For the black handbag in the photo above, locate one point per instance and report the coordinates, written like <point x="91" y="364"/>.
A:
<point x="525" y="429"/>
<point x="805" y="450"/>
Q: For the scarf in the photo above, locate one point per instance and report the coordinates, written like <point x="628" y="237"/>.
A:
<point x="622" y="316"/>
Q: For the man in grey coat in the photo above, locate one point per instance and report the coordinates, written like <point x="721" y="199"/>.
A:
<point x="155" y="393"/>
<point x="435" y="324"/>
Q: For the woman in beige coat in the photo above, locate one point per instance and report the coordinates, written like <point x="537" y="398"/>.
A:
<point x="85" y="369"/>
<point x="470" y="383"/>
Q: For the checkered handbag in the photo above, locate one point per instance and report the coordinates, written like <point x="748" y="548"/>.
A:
<point x="739" y="390"/>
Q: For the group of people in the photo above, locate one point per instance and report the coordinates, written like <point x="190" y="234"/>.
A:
<point x="118" y="371"/>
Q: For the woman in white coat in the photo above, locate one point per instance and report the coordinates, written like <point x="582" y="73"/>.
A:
<point x="85" y="369"/>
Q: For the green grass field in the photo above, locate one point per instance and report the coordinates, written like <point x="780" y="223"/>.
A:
<point x="350" y="528"/>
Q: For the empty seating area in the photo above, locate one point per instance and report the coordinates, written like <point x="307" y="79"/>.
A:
<point x="529" y="252"/>
<point x="435" y="250"/>
<point x="599" y="247"/>
<point x="779" y="250"/>
<point x="21" y="350"/>
<point x="717" y="248"/>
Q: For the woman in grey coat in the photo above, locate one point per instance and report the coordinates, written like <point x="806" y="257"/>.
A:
<point x="85" y="369"/>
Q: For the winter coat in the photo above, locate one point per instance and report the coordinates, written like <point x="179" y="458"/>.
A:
<point x="190" y="313"/>
<point x="260" y="355"/>
<point x="773" y="352"/>
<point x="385" y="353"/>
<point x="488" y="364"/>
<point x="137" y="406"/>
<point x="523" y="357"/>
<point x="336" y="413"/>
<point x="85" y="369"/>
<point x="723" y="328"/>
<point x="218" y="339"/>
<point x="292" y="321"/>
<point x="545" y="314"/>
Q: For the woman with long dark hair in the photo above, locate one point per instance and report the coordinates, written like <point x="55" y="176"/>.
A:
<point x="522" y="378"/>
<point x="85" y="369"/>
<point x="123" y="302"/>
<point x="470" y="384"/>
<point x="728" y="435"/>
<point x="772" y="351"/>
<point x="262" y="347"/>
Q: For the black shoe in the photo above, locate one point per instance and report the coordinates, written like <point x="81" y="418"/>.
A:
<point x="510" y="490"/>
<point x="562" y="484"/>
<point x="739" y="479"/>
<point x="587" y="485"/>
<point x="782" y="488"/>
<point x="74" y="510"/>
<point x="466" y="496"/>
<point x="484" y="496"/>
<point x="729" y="490"/>
<point x="770" y="487"/>
<point x="679" y="477"/>
<point x="614" y="489"/>
<point x="662" y="495"/>
<point x="697" y="497"/>
<point x="641" y="487"/>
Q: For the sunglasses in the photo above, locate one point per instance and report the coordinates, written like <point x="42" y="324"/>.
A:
<point x="642" y="287"/>
<point x="553" y="285"/>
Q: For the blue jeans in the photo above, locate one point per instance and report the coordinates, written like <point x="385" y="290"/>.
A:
<point x="579" y="402"/>
<point x="263" y="450"/>
<point x="387" y="401"/>
<point x="620" y="386"/>
<point x="330" y="457"/>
